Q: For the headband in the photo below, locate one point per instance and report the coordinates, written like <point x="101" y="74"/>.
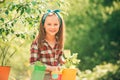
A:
<point x="52" y="11"/>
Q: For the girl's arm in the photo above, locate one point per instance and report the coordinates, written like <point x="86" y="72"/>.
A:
<point x="61" y="58"/>
<point x="34" y="52"/>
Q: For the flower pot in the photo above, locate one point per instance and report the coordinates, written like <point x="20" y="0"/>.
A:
<point x="4" y="72"/>
<point x="38" y="73"/>
<point x="69" y="74"/>
<point x="56" y="75"/>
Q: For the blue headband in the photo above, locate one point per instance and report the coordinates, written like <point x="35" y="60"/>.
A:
<point x="51" y="11"/>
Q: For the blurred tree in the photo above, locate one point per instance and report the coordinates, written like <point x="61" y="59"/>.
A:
<point x="21" y="17"/>
<point x="92" y="31"/>
<point x="111" y="75"/>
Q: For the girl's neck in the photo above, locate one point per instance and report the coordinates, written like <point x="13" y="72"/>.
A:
<point x="50" y="38"/>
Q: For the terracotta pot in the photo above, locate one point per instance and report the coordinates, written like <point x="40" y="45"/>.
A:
<point x="69" y="74"/>
<point x="4" y="72"/>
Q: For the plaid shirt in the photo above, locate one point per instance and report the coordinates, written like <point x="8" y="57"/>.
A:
<point x="47" y="55"/>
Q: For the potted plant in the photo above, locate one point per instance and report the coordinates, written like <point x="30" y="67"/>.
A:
<point x="6" y="54"/>
<point x="69" y="68"/>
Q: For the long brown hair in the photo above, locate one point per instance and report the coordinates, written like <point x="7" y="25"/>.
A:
<point x="59" y="35"/>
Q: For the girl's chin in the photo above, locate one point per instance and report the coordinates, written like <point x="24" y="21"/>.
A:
<point x="52" y="34"/>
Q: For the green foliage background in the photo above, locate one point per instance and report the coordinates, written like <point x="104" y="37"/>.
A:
<point x="94" y="28"/>
<point x="92" y="31"/>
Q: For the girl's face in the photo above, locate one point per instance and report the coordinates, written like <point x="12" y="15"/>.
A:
<point x="51" y="25"/>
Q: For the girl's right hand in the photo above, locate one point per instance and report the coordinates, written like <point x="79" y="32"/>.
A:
<point x="53" y="68"/>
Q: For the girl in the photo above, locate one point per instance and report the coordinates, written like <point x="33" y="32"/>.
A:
<point x="48" y="46"/>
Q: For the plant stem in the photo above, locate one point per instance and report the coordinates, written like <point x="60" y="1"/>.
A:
<point x="10" y="57"/>
<point x="5" y="50"/>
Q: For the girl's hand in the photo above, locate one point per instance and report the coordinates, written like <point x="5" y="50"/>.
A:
<point x="53" y="68"/>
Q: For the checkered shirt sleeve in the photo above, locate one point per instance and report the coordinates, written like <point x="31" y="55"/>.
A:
<point x="34" y="52"/>
<point x="61" y="58"/>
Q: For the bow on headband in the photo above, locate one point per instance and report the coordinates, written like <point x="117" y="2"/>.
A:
<point x="55" y="11"/>
<point x="52" y="11"/>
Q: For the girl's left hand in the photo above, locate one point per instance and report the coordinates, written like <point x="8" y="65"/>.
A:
<point x="53" y="68"/>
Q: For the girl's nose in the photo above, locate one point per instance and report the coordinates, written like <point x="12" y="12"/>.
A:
<point x="53" y="26"/>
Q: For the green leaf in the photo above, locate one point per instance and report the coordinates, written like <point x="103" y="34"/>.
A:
<point x="7" y="31"/>
<point x="58" y="4"/>
<point x="6" y="12"/>
<point x="12" y="31"/>
<point x="15" y="21"/>
<point x="34" y="2"/>
<point x="22" y="11"/>
<point x="1" y="30"/>
<point x="28" y="10"/>
<point x="12" y="7"/>
<point x="19" y="7"/>
<point x="2" y="19"/>
<point x="22" y="36"/>
<point x="40" y="11"/>
<point x="6" y="24"/>
<point x="12" y="24"/>
<point x="17" y="35"/>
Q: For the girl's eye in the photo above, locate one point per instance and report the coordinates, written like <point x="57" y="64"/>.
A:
<point x="49" y="24"/>
<point x="55" y="24"/>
